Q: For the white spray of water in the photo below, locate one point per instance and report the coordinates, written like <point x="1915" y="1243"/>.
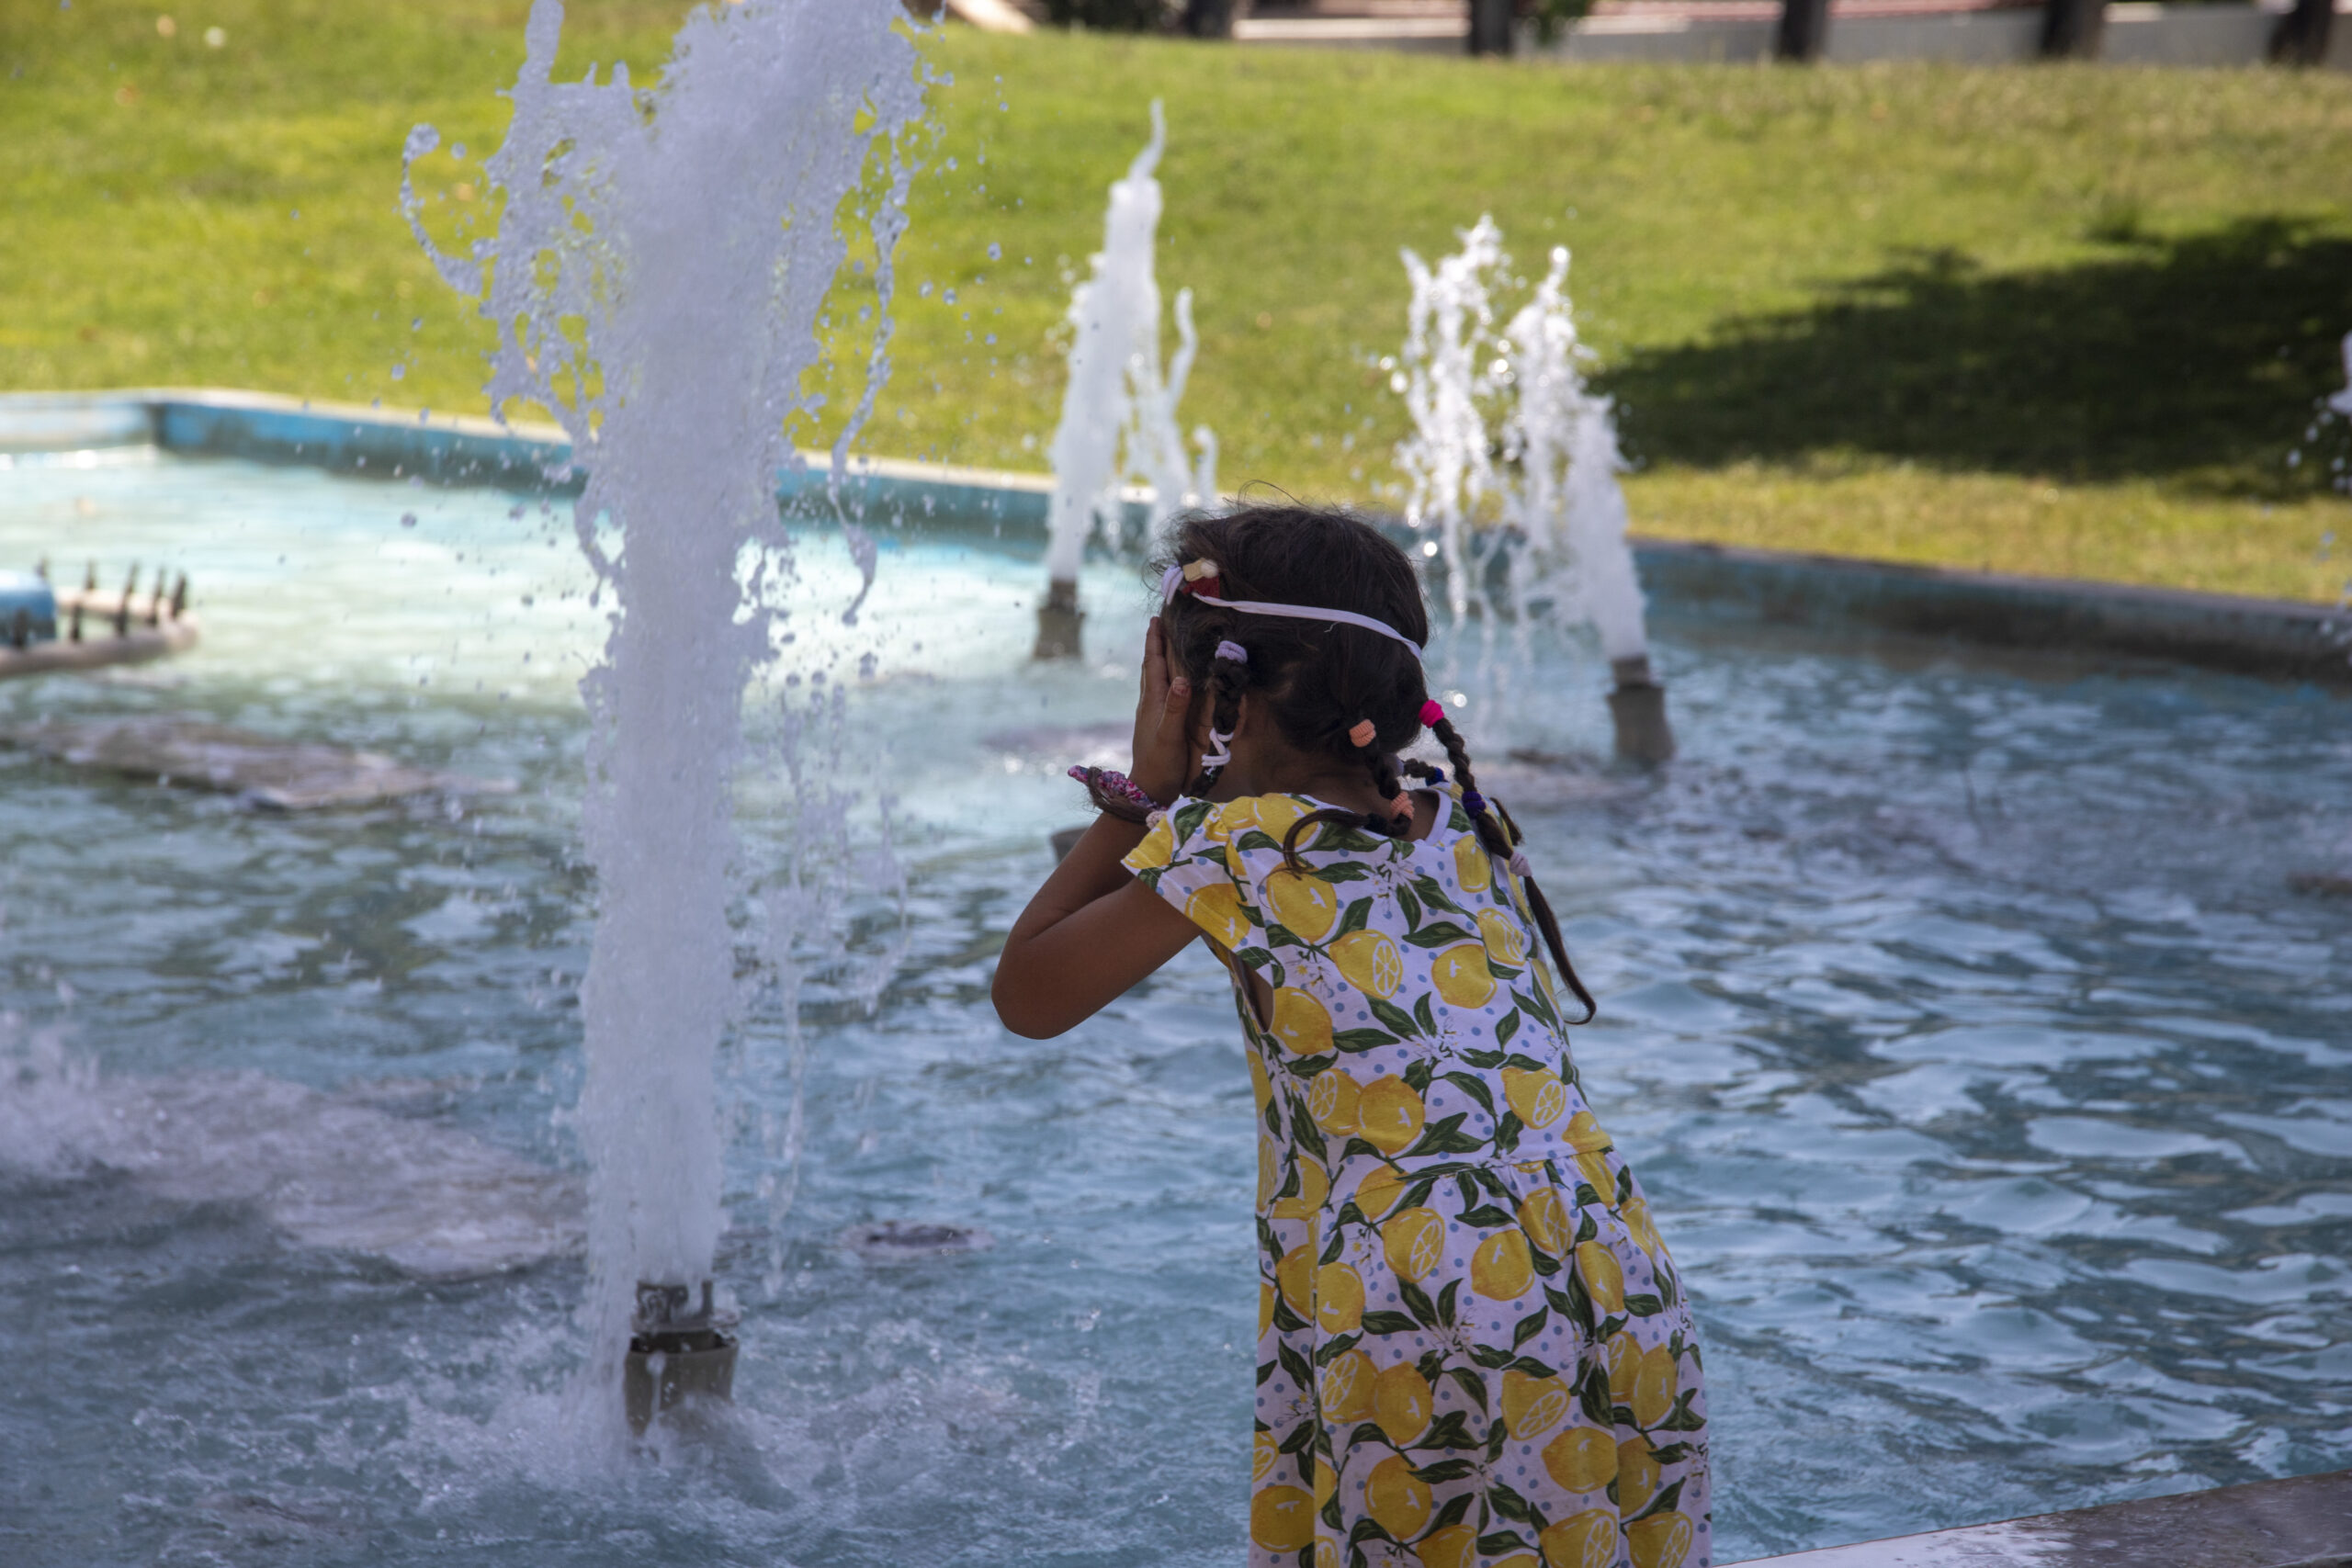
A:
<point x="656" y="278"/>
<point x="1119" y="411"/>
<point x="1511" y="451"/>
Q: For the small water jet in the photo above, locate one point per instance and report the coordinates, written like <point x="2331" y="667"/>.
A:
<point x="1512" y="468"/>
<point x="1119" y="411"/>
<point x="660" y="261"/>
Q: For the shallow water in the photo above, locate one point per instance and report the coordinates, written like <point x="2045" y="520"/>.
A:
<point x="1992" y="1088"/>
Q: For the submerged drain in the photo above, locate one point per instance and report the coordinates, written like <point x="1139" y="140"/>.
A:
<point x="888" y="1238"/>
<point x="676" y="1351"/>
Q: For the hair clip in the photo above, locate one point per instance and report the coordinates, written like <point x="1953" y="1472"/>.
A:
<point x="1362" y="735"/>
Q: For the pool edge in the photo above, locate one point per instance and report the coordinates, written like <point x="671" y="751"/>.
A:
<point x="2278" y="639"/>
<point x="2301" y="1522"/>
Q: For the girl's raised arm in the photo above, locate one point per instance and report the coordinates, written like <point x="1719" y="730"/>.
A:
<point x="1094" y="931"/>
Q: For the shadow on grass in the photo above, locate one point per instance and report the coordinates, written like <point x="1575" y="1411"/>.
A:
<point x="2195" y="358"/>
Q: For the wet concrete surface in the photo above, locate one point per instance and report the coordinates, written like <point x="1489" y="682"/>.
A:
<point x="2302" y="1523"/>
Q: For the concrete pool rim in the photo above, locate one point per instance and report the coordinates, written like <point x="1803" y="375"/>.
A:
<point x="2272" y="638"/>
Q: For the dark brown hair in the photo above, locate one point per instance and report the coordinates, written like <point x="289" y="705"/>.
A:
<point x="1317" y="680"/>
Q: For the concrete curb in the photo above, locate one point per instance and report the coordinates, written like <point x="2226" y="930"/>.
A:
<point x="2274" y="639"/>
<point x="2279" y="639"/>
<point x="2301" y="1523"/>
<point x="2136" y="32"/>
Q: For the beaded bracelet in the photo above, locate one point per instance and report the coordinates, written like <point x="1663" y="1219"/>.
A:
<point x="1115" y="795"/>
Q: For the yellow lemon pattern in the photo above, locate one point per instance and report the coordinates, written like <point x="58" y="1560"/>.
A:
<point x="1472" y="869"/>
<point x="1301" y="1022"/>
<point x="1370" y="962"/>
<point x="1536" y="1095"/>
<point x="1397" y="1500"/>
<point x="1415" y="1243"/>
<point x="1582" y="1459"/>
<point x="1583" y="1540"/>
<point x="1500" y="1270"/>
<point x="1461" y="976"/>
<point x="1307" y="905"/>
<point x="1334" y="1101"/>
<point x="1445" y="1231"/>
<point x="1308" y="1202"/>
<point x="1282" y="1519"/>
<point x="1401" y="1402"/>
<point x="1339" y="1300"/>
<point x="1533" y="1406"/>
<point x="1455" y="1546"/>
<point x="1505" y="938"/>
<point x="1218" y="911"/>
<point x="1390" y="1114"/>
<point x="1346" y="1387"/>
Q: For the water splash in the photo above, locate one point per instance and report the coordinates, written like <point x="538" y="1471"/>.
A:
<point x="1513" y="466"/>
<point x="1513" y="462"/>
<point x="1119" y="410"/>
<point x="656" y="278"/>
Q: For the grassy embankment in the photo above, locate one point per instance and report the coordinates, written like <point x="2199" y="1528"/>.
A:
<point x="2057" y="320"/>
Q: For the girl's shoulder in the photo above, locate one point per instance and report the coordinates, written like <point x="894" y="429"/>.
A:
<point x="1192" y="828"/>
<point x="1235" y="832"/>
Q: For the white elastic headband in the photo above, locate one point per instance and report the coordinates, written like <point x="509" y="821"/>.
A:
<point x="1174" y="577"/>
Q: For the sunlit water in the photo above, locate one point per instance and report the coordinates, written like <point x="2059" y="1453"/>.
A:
<point x="1995" y="1090"/>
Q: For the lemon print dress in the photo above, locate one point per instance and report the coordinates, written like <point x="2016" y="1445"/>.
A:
<point x="1472" y="1349"/>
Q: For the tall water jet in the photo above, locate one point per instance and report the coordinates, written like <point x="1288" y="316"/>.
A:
<point x="1514" y="465"/>
<point x="660" y="261"/>
<point x="1119" y="411"/>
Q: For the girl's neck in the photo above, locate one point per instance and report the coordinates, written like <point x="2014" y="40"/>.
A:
<point x="1282" y="771"/>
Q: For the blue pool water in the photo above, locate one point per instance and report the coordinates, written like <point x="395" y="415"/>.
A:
<point x="1992" y="1084"/>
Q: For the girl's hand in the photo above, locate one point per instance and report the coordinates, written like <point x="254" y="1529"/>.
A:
<point x="1163" y="737"/>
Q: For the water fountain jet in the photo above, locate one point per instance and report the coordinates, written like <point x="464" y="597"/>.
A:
<point x="1529" y="516"/>
<point x="1119" y="411"/>
<point x="656" y="278"/>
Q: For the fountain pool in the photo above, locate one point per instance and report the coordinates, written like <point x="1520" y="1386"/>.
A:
<point x="1994" y="1088"/>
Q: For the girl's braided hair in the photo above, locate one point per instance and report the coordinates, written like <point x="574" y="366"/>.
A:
<point x="1319" y="680"/>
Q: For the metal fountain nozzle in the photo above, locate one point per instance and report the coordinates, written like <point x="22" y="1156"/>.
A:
<point x="678" y="1349"/>
<point x="1638" y="708"/>
<point x="1060" y="621"/>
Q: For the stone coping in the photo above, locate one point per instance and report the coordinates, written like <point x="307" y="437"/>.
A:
<point x="2302" y="1523"/>
<point x="1834" y="595"/>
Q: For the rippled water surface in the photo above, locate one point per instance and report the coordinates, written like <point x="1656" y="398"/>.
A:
<point x="1993" y="1086"/>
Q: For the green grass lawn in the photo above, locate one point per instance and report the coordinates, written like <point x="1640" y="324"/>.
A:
<point x="2050" y="319"/>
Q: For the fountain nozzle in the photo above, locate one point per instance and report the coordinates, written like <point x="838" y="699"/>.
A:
<point x="676" y="1348"/>
<point x="1638" y="708"/>
<point x="1058" y="620"/>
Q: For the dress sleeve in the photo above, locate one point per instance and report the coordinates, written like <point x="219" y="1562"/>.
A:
<point x="1184" y="859"/>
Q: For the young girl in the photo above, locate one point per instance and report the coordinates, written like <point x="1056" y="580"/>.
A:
<point x="1472" y="1349"/>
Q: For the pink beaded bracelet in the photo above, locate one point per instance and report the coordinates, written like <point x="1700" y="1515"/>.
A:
<point x="1116" y="793"/>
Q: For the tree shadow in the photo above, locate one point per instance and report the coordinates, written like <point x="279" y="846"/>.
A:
<point x="2195" y="358"/>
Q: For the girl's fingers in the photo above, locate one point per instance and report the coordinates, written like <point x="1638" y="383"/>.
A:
<point x="1154" y="660"/>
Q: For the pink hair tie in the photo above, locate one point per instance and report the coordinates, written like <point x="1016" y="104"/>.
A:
<point x="1362" y="733"/>
<point x="1431" y="711"/>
